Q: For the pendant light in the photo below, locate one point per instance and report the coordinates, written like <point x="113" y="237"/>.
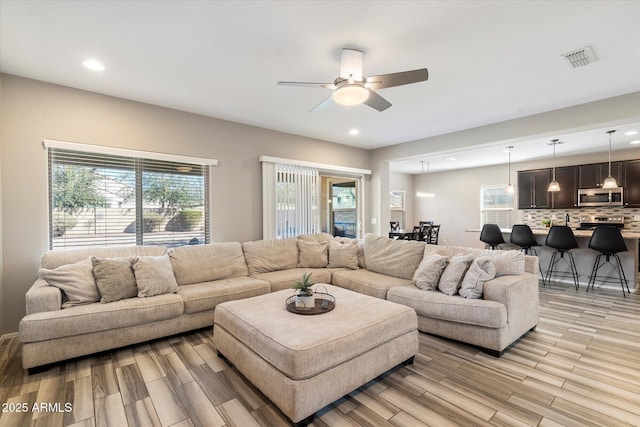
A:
<point x="554" y="185"/>
<point x="510" y="188"/>
<point x="609" y="181"/>
<point x="424" y="193"/>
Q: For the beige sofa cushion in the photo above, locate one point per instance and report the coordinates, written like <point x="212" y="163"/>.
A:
<point x="96" y="317"/>
<point x="506" y="263"/>
<point x="490" y="314"/>
<point x="284" y="279"/>
<point x="206" y="296"/>
<point x="316" y="237"/>
<point x="263" y="256"/>
<point x="76" y="282"/>
<point x="53" y="259"/>
<point x="367" y="282"/>
<point x="343" y="254"/>
<point x="482" y="270"/>
<point x="392" y="257"/>
<point x="358" y="324"/>
<point x="205" y="263"/>
<point x="312" y="254"/>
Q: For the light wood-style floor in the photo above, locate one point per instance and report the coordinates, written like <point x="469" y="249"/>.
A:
<point x="580" y="367"/>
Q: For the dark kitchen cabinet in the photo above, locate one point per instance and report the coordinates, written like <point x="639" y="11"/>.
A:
<point x="567" y="197"/>
<point x="593" y="175"/>
<point x="532" y="189"/>
<point x="631" y="184"/>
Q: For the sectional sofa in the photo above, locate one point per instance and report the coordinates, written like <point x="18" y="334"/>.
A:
<point x="91" y="300"/>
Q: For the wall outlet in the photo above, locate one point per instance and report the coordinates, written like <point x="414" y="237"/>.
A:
<point x="553" y="216"/>
<point x="636" y="217"/>
<point x="529" y="217"/>
<point x="374" y="221"/>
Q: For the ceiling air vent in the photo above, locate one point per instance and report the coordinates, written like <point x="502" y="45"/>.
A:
<point x="580" y="57"/>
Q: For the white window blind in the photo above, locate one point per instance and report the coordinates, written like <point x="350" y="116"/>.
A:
<point x="104" y="199"/>
<point x="496" y="206"/>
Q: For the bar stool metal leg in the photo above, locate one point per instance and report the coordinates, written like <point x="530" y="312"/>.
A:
<point x="617" y="267"/>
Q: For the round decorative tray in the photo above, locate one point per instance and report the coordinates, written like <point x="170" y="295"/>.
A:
<point x="324" y="303"/>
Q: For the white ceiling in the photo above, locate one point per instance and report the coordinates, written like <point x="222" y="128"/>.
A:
<point x="488" y="61"/>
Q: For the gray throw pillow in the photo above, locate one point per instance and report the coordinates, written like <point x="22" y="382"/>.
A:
<point x="481" y="271"/>
<point x="312" y="254"/>
<point x="154" y="275"/>
<point x="427" y="275"/>
<point x="75" y="281"/>
<point x="114" y="278"/>
<point x="452" y="276"/>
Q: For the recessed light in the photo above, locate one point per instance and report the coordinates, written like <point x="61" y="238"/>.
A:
<point x="634" y="142"/>
<point x="354" y="132"/>
<point x="94" y="65"/>
<point x="631" y="132"/>
<point x="450" y="158"/>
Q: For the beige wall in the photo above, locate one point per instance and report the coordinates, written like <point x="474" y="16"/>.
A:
<point x="33" y="111"/>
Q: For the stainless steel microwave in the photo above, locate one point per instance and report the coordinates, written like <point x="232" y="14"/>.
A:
<point x="600" y="197"/>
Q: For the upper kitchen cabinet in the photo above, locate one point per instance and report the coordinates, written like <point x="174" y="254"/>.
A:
<point x="532" y="189"/>
<point x="593" y="175"/>
<point x="631" y="184"/>
<point x="567" y="197"/>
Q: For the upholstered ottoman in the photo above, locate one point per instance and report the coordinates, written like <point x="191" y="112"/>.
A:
<point x="303" y="363"/>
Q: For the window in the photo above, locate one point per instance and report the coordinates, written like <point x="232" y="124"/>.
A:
<point x="496" y="206"/>
<point x="297" y="194"/>
<point x="109" y="197"/>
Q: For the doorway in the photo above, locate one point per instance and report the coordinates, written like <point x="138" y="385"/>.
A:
<point x="341" y="216"/>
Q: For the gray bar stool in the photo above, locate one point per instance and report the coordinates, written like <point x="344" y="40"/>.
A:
<point x="562" y="239"/>
<point x="522" y="236"/>
<point x="608" y="241"/>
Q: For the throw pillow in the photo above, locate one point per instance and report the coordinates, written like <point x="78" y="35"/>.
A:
<point x="75" y="281"/>
<point x="427" y="275"/>
<point x="154" y="275"/>
<point x="343" y="255"/>
<point x="507" y="262"/>
<point x="452" y="276"/>
<point x="482" y="270"/>
<point x="312" y="254"/>
<point x="114" y="278"/>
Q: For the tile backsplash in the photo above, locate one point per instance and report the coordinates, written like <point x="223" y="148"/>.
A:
<point x="537" y="215"/>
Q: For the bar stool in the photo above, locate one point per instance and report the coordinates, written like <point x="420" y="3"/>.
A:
<point x="562" y="239"/>
<point x="492" y="236"/>
<point x="522" y="236"/>
<point x="608" y="241"/>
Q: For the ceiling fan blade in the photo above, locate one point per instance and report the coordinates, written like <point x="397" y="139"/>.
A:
<point x="377" y="102"/>
<point x="397" y="79"/>
<point x="351" y="64"/>
<point x="308" y="84"/>
<point x="323" y="105"/>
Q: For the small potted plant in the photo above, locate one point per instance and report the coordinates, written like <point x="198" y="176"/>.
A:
<point x="305" y="298"/>
<point x="546" y="222"/>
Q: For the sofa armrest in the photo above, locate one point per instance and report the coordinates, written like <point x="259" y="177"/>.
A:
<point x="43" y="297"/>
<point x="519" y="294"/>
<point x="531" y="264"/>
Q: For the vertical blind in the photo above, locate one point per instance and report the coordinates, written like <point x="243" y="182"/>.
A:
<point x="297" y="195"/>
<point x="98" y="199"/>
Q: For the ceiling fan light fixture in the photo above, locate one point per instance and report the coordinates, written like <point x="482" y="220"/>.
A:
<point x="351" y="94"/>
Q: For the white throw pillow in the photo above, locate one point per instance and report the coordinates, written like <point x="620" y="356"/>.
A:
<point x="76" y="282"/>
<point x="452" y="276"/>
<point x="154" y="275"/>
<point x="506" y="262"/>
<point x="428" y="273"/>
<point x="482" y="270"/>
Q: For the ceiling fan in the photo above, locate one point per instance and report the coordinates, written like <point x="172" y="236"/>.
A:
<point x="352" y="88"/>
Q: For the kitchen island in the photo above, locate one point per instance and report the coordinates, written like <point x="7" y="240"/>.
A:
<point x="585" y="257"/>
